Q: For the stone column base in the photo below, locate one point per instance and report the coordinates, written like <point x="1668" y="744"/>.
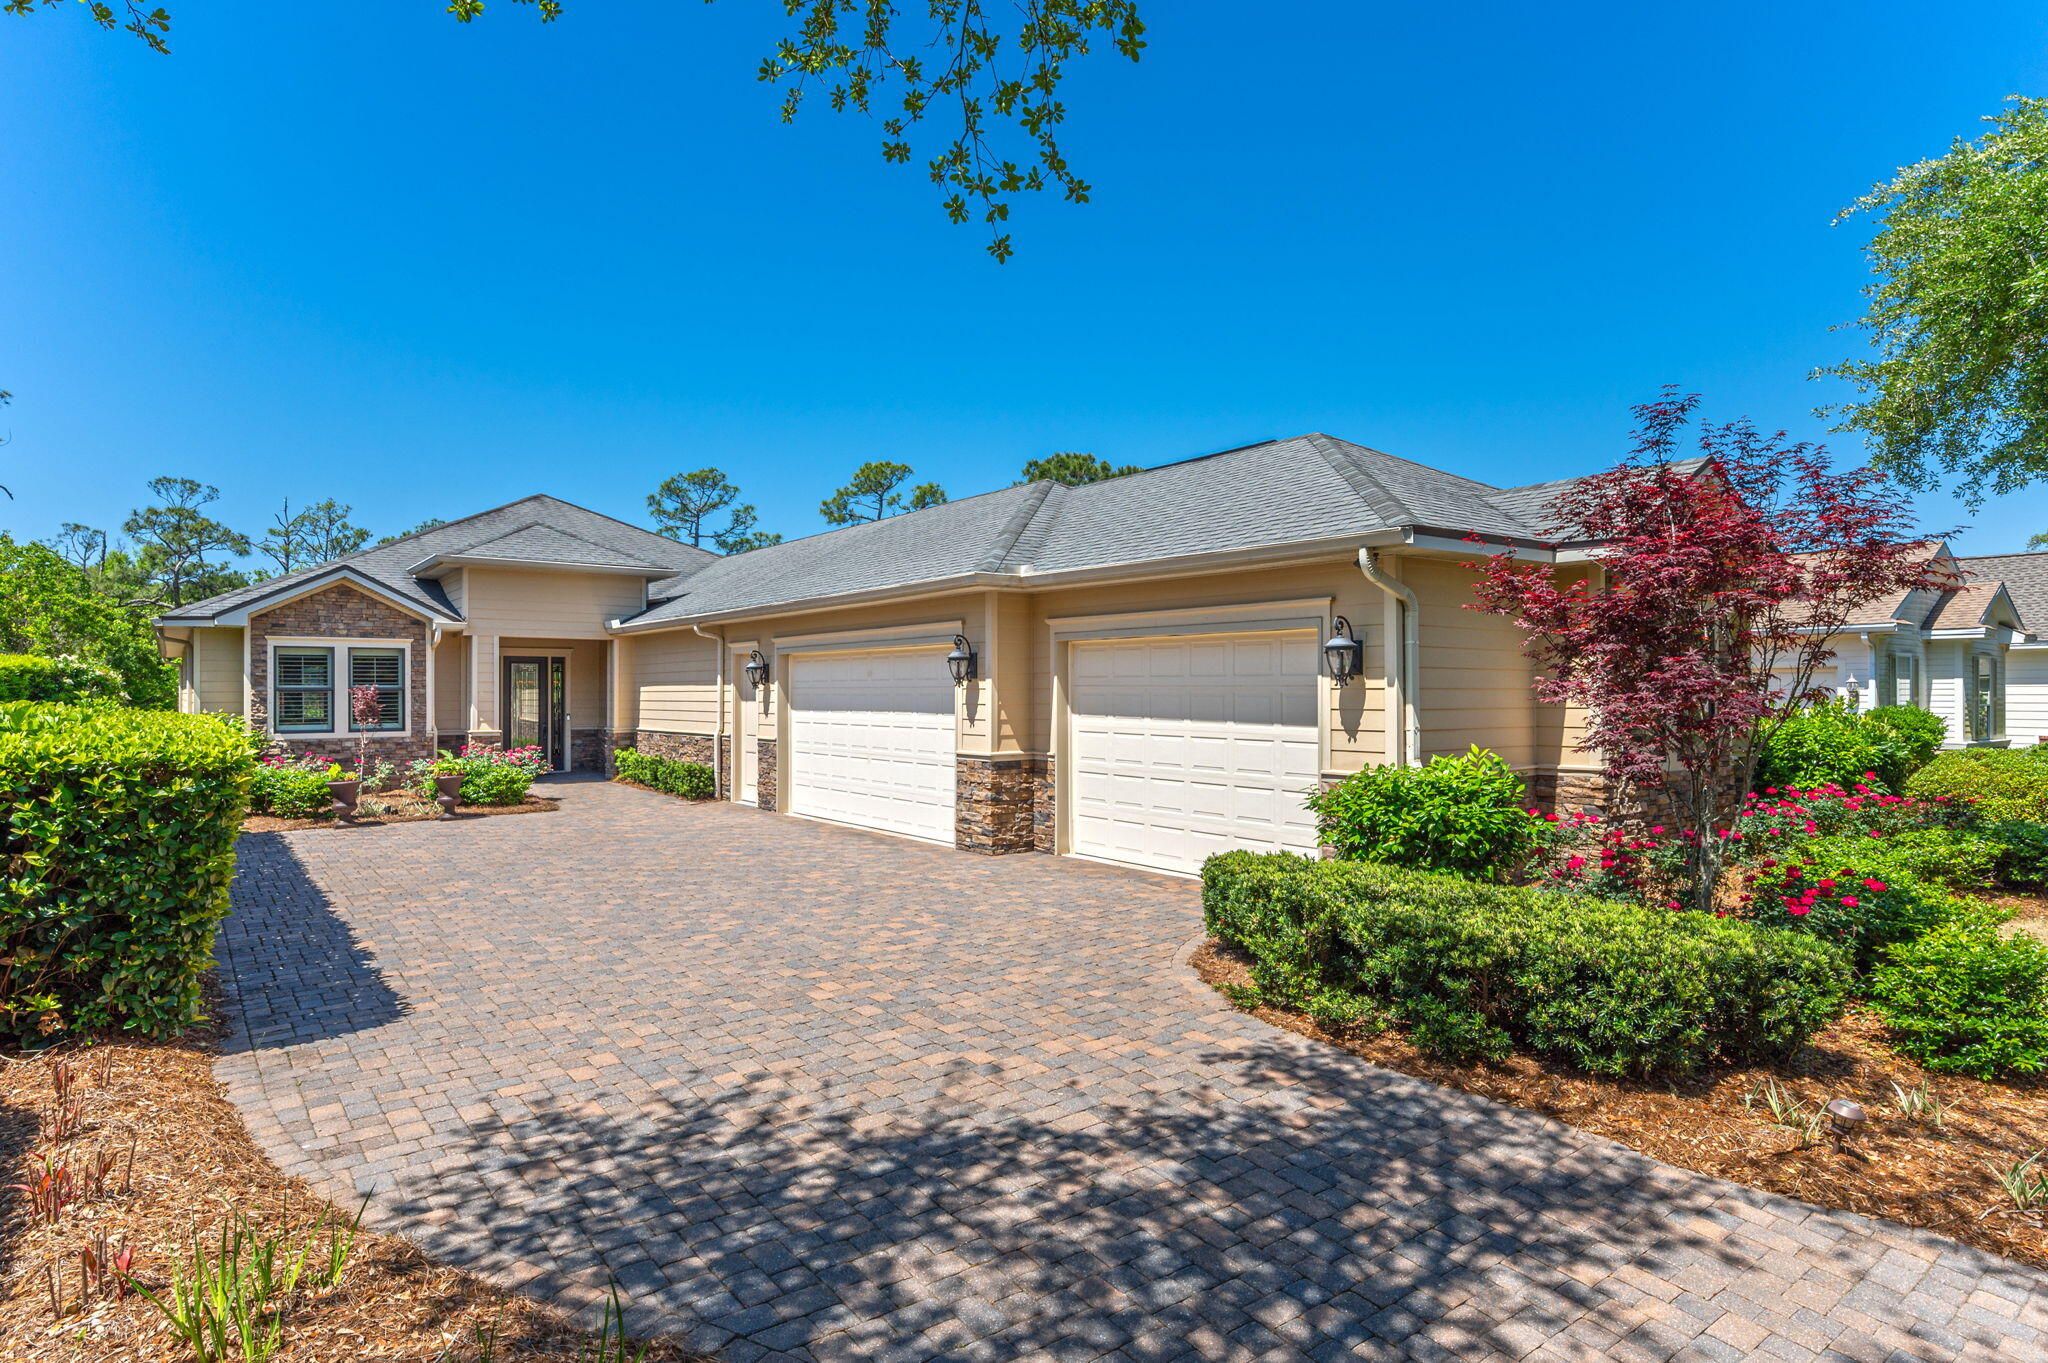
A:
<point x="995" y="806"/>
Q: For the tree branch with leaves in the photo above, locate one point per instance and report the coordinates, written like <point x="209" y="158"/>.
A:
<point x="993" y="71"/>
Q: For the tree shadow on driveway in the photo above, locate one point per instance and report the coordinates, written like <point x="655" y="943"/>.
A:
<point x="285" y="927"/>
<point x="1302" y="1204"/>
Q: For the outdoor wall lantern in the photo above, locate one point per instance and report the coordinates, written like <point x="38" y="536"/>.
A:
<point x="960" y="662"/>
<point x="1343" y="652"/>
<point x="757" y="669"/>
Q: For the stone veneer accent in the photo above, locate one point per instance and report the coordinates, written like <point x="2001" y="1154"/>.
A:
<point x="342" y="612"/>
<point x="1044" y="827"/>
<point x="995" y="803"/>
<point x="766" y="780"/>
<point x="590" y="749"/>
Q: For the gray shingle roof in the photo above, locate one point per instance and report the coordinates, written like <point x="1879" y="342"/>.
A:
<point x="388" y="564"/>
<point x="1307" y="488"/>
<point x="2026" y="580"/>
<point x="539" y="543"/>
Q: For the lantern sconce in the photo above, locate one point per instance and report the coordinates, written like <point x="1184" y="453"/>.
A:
<point x="960" y="662"/>
<point x="1343" y="651"/>
<point x="757" y="669"/>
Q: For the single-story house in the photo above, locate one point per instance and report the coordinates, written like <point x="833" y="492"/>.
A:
<point x="1974" y="650"/>
<point x="1144" y="670"/>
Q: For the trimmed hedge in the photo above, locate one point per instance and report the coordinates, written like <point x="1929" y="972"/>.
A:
<point x="691" y="780"/>
<point x="117" y="842"/>
<point x="2000" y="783"/>
<point x="1465" y="814"/>
<point x="1965" y="1000"/>
<point x="1474" y="969"/>
<point x="27" y="676"/>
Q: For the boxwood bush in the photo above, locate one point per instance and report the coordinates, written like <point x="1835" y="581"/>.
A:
<point x="691" y="780"/>
<point x="25" y="676"/>
<point x="1474" y="969"/>
<point x="1466" y="814"/>
<point x="1964" y="999"/>
<point x="2001" y="783"/>
<point x="117" y="838"/>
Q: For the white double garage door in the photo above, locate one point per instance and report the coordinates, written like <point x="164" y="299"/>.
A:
<point x="1175" y="749"/>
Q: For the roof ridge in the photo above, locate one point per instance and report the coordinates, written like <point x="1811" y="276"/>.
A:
<point x="1368" y="489"/>
<point x="1403" y="459"/>
<point x="1013" y="529"/>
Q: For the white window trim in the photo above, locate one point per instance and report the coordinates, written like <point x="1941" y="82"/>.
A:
<point x="340" y="731"/>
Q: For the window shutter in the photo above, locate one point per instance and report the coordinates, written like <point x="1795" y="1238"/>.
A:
<point x="383" y="668"/>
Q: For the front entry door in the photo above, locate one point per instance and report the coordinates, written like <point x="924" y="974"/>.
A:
<point x="536" y="705"/>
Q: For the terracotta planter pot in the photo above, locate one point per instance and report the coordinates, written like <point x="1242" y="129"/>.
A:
<point x="345" y="794"/>
<point x="447" y="790"/>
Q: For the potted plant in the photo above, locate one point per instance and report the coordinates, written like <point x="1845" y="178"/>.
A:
<point x="345" y="790"/>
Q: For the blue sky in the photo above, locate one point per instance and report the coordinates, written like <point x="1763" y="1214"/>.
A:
<point x="363" y="252"/>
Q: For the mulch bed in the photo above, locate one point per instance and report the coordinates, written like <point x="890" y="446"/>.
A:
<point x="1909" y="1171"/>
<point x="406" y="806"/>
<point x="194" y="1168"/>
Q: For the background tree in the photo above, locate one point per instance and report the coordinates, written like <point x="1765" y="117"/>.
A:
<point x="81" y="545"/>
<point x="52" y="608"/>
<point x="683" y="502"/>
<point x="741" y="535"/>
<point x="1722" y="586"/>
<point x="1961" y="260"/>
<point x="1074" y="469"/>
<point x="996" y="68"/>
<point x="175" y="537"/>
<point x="330" y="534"/>
<point x="284" y="542"/>
<point x="872" y="495"/>
<point x="427" y="524"/>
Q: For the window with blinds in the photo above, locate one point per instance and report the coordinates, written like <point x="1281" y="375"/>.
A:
<point x="303" y="691"/>
<point x="383" y="668"/>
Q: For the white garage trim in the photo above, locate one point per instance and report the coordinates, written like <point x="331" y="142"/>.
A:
<point x="869" y="739"/>
<point x="1171" y="747"/>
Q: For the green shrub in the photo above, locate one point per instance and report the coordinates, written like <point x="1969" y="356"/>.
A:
<point x="1473" y="968"/>
<point x="2000" y="783"/>
<point x="72" y="681"/>
<point x="2022" y="853"/>
<point x="290" y="787"/>
<point x="1962" y="999"/>
<point x="1463" y="814"/>
<point x="1865" y="894"/>
<point x="490" y="776"/>
<point x="691" y="780"/>
<point x="1826" y="743"/>
<point x="1903" y="739"/>
<point x="1950" y="858"/>
<point x="117" y="842"/>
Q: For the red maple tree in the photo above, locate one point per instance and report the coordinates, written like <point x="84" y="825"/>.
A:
<point x="1720" y="582"/>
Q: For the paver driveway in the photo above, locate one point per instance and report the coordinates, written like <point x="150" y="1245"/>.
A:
<point x="825" y="1093"/>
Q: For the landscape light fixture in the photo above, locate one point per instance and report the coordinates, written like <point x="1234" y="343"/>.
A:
<point x="960" y="662"/>
<point x="1343" y="652"/>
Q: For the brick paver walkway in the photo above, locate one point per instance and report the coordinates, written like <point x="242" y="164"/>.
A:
<point x="815" y="1092"/>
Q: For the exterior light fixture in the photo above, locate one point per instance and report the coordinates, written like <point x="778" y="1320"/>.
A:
<point x="1343" y="652"/>
<point x="757" y="669"/>
<point x="960" y="662"/>
<point x="1843" y="1119"/>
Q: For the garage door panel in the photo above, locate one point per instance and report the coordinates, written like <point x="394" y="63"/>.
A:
<point x="872" y="743"/>
<point x="1216" y="749"/>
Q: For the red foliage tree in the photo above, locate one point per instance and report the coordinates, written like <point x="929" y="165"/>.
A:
<point x="1720" y="582"/>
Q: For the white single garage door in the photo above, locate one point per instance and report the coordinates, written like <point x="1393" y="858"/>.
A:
<point x="871" y="741"/>
<point x="1181" y="748"/>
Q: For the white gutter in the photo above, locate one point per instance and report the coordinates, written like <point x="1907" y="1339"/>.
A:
<point x="1403" y="674"/>
<point x="718" y="728"/>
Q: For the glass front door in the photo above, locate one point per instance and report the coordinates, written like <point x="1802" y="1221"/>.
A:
<point x="536" y="695"/>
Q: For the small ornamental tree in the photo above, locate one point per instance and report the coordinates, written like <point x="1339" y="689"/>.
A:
<point x="1720" y="582"/>
<point x="366" y="708"/>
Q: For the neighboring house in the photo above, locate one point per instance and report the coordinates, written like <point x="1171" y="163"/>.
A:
<point x="1148" y="683"/>
<point x="1967" y="651"/>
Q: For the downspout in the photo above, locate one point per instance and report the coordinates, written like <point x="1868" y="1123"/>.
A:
<point x="1403" y="677"/>
<point x="718" y="728"/>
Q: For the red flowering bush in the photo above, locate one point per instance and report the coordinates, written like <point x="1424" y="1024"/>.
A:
<point x="1585" y="855"/>
<point x="1857" y="905"/>
<point x="1777" y="819"/>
